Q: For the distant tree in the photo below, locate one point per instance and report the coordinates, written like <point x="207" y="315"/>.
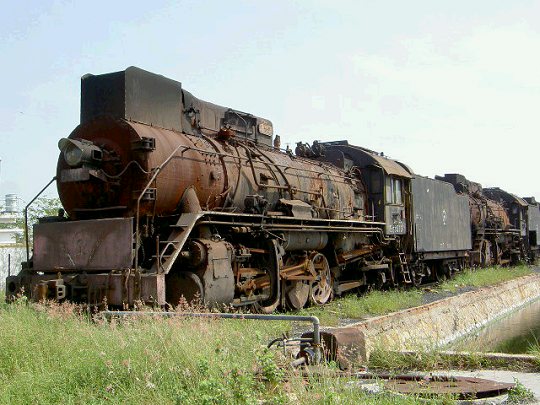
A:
<point x="42" y="207"/>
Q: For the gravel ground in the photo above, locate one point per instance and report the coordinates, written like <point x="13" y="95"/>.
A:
<point x="432" y="295"/>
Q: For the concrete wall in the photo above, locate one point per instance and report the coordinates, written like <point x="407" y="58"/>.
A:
<point x="443" y="321"/>
<point x="7" y="236"/>
<point x="12" y="255"/>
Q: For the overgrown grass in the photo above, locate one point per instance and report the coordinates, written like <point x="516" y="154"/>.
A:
<point x="535" y="351"/>
<point x="485" y="277"/>
<point x="435" y="359"/>
<point x="52" y="354"/>
<point x="49" y="355"/>
<point x="370" y="304"/>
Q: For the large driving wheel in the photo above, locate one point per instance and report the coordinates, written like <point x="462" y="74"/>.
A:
<point x="270" y="304"/>
<point x="417" y="274"/>
<point x="322" y="289"/>
<point x="184" y="285"/>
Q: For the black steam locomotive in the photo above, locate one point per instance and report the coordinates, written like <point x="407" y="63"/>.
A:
<point x="168" y="196"/>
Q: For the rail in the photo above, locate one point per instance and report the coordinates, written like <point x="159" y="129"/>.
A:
<point x="258" y="317"/>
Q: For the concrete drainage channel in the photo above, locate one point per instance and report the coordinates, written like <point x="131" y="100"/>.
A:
<point x="432" y="325"/>
<point x="435" y="325"/>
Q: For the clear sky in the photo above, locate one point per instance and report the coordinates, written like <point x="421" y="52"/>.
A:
<point x="449" y="86"/>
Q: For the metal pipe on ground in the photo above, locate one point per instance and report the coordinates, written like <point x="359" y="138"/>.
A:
<point x="258" y="317"/>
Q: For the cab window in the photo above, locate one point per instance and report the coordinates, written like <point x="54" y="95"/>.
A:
<point x="394" y="193"/>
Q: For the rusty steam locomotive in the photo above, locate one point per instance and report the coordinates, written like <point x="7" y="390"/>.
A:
<point x="169" y="196"/>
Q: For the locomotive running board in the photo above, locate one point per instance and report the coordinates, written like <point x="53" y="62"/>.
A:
<point x="173" y="246"/>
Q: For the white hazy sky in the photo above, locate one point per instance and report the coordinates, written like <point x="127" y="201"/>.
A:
<point x="445" y="87"/>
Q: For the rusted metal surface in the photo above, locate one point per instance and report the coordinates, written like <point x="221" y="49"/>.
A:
<point x="369" y="157"/>
<point x="213" y="268"/>
<point x="486" y="214"/>
<point x="322" y="289"/>
<point x="222" y="171"/>
<point x="221" y="174"/>
<point x="391" y="167"/>
<point x="497" y="232"/>
<point x="345" y="346"/>
<point x="127" y="170"/>
<point x="147" y="160"/>
<point x="429" y="386"/>
<point x="102" y="244"/>
<point x="116" y="288"/>
<point x="515" y="206"/>
<point x="144" y="171"/>
<point x="386" y="180"/>
<point x="157" y="101"/>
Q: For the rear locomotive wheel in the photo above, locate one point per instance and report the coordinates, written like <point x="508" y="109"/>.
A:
<point x="322" y="289"/>
<point x="271" y="288"/>
<point x="438" y="273"/>
<point x="417" y="276"/>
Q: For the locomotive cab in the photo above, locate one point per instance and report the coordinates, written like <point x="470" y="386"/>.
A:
<point x="388" y="182"/>
<point x="516" y="208"/>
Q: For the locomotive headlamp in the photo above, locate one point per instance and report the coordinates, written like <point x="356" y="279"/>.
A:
<point x="79" y="152"/>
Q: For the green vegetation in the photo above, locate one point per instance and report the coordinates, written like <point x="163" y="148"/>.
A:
<point x="535" y="351"/>
<point x="435" y="359"/>
<point x="484" y="277"/>
<point x="370" y="304"/>
<point x="55" y="354"/>
<point x="42" y="207"/>
<point x="520" y="394"/>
